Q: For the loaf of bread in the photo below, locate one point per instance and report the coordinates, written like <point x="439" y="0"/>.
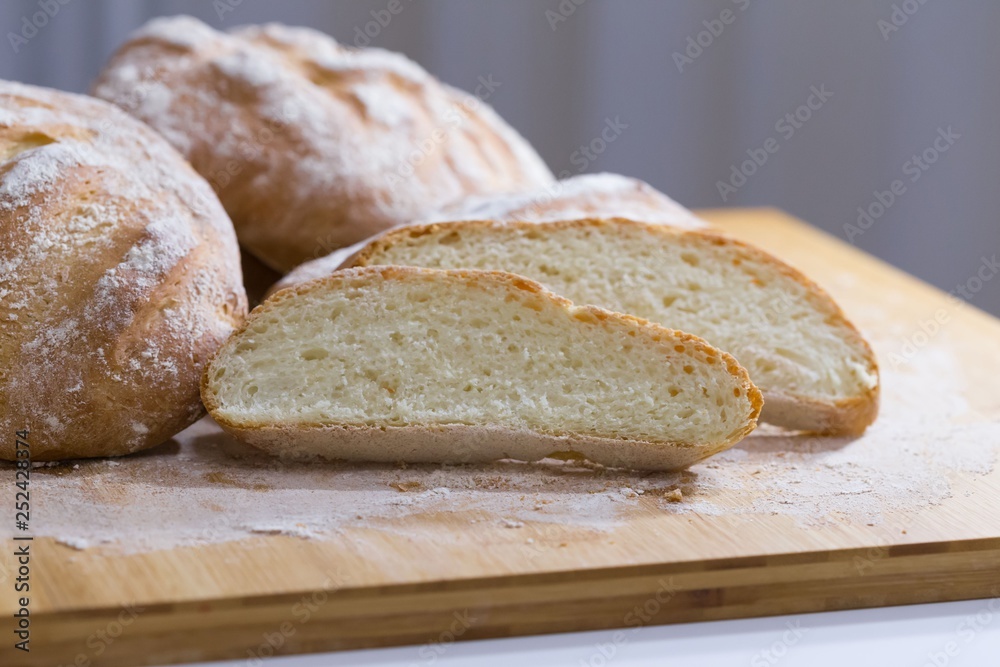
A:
<point x="815" y="370"/>
<point x="590" y="195"/>
<point x="312" y="146"/>
<point x="417" y="365"/>
<point x="119" y="278"/>
<point x="601" y="195"/>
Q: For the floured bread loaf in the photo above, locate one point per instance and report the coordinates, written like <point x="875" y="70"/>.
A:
<point x="119" y="278"/>
<point x="407" y="364"/>
<point x="312" y="146"/>
<point x="601" y="195"/>
<point x="815" y="370"/>
<point x="590" y="195"/>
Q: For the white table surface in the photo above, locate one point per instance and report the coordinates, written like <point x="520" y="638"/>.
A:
<point x="962" y="634"/>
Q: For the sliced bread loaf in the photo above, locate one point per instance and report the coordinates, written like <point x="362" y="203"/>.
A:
<point x="815" y="370"/>
<point x="407" y="364"/>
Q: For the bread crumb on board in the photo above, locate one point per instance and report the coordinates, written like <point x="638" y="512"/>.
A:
<point x="405" y="487"/>
<point x="908" y="461"/>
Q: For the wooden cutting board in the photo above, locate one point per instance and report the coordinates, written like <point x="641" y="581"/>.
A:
<point x="908" y="513"/>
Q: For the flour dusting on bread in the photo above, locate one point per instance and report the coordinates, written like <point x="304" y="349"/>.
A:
<point x="602" y="195"/>
<point x="121" y="275"/>
<point x="311" y="145"/>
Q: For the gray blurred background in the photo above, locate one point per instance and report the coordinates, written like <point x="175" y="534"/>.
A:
<point x="695" y="96"/>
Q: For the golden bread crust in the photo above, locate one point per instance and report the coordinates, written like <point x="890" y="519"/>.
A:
<point x="121" y="277"/>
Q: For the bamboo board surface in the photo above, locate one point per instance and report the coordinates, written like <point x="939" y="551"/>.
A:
<point x="760" y="530"/>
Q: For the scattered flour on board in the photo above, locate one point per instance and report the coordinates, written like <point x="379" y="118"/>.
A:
<point x="205" y="487"/>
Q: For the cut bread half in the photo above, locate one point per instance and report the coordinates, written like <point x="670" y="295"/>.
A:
<point x="417" y="365"/>
<point x="815" y="370"/>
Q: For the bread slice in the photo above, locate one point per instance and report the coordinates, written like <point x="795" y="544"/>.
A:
<point x="815" y="370"/>
<point x="417" y="365"/>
